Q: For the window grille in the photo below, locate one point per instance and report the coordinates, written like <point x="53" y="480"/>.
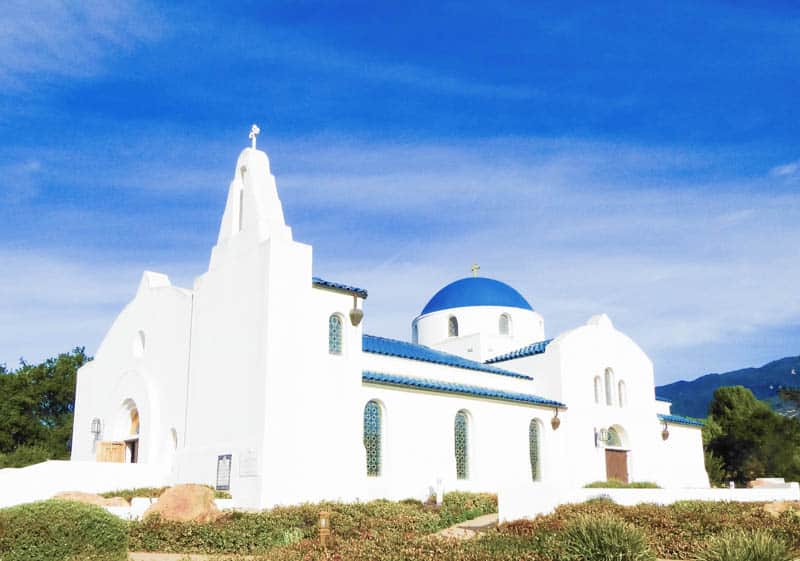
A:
<point x="224" y="472"/>
<point x="534" y="446"/>
<point x="372" y="437"/>
<point x="335" y="335"/>
<point x="452" y="327"/>
<point x="623" y="398"/>
<point x="461" y="445"/>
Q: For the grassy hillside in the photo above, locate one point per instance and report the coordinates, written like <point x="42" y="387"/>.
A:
<point x="692" y="398"/>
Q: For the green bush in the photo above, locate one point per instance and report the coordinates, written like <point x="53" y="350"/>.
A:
<point x="57" y="530"/>
<point x="28" y="454"/>
<point x="742" y="545"/>
<point x="617" y="484"/>
<point x="381" y="521"/>
<point x="153" y="493"/>
<point x="603" y="538"/>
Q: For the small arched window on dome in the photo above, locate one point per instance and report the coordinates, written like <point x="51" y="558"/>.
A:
<point x="598" y="390"/>
<point x="622" y="398"/>
<point x="452" y="327"/>
<point x="505" y="324"/>
<point x="609" y="386"/>
<point x="335" y="334"/>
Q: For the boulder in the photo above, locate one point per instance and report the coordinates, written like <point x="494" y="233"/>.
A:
<point x="186" y="503"/>
<point x="779" y="507"/>
<point x="91" y="499"/>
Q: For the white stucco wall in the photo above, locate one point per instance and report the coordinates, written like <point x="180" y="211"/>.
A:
<point x="479" y="331"/>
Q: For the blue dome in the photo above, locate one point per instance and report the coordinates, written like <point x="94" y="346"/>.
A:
<point x="476" y="291"/>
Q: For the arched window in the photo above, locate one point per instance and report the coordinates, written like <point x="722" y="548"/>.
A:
<point x="598" y="390"/>
<point x="534" y="445"/>
<point x="241" y="210"/>
<point x="609" y="386"/>
<point x="414" y="333"/>
<point x="505" y="324"/>
<point x="335" y="334"/>
<point x="622" y="398"/>
<point x="373" y="428"/>
<point x="452" y="327"/>
<point x="461" y="438"/>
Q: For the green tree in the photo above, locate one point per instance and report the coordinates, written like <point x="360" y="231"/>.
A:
<point x="750" y="439"/>
<point x="36" y="409"/>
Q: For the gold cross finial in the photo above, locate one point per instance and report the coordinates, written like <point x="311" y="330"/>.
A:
<point x="475" y="268"/>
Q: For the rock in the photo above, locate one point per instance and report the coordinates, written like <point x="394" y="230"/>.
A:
<point x="778" y="507"/>
<point x="186" y="503"/>
<point x="91" y="499"/>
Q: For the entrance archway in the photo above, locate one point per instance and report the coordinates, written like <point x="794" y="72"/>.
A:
<point x="129" y="427"/>
<point x="617" y="454"/>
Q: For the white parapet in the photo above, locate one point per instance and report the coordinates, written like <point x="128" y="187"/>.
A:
<point x="42" y="481"/>
<point x="533" y="500"/>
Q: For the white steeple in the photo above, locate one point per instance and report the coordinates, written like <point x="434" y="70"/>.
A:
<point x="253" y="212"/>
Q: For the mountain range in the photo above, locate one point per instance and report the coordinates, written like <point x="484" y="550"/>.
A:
<point x="692" y="398"/>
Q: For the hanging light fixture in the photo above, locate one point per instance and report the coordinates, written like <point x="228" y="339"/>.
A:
<point x="96" y="428"/>
<point x="555" y="422"/>
<point x="356" y="315"/>
<point x="665" y="432"/>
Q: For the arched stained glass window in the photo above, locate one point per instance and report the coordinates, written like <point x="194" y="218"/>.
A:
<point x="609" y="386"/>
<point x="372" y="437"/>
<point x="534" y="444"/>
<point x="505" y="324"/>
<point x="452" y="327"/>
<point x="462" y="445"/>
<point x="598" y="390"/>
<point x="335" y="334"/>
<point x="623" y="398"/>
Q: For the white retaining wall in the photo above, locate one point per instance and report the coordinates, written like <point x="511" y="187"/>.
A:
<point x="42" y="481"/>
<point x="533" y="500"/>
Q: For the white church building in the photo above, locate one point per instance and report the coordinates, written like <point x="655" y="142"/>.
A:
<point x="259" y="380"/>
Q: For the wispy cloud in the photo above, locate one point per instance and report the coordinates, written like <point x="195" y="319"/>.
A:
<point x="53" y="38"/>
<point x="786" y="170"/>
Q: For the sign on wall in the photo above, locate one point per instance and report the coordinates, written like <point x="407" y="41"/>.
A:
<point x="248" y="463"/>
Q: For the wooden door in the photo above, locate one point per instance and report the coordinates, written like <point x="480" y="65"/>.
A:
<point x="617" y="465"/>
<point x="108" y="451"/>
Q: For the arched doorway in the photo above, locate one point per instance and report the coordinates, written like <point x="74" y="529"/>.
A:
<point x="617" y="454"/>
<point x="130" y="418"/>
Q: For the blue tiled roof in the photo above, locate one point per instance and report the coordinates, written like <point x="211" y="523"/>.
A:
<point x="678" y="420"/>
<point x="449" y="387"/>
<point x="393" y="347"/>
<point x="532" y="349"/>
<point x="475" y="291"/>
<point x="316" y="281"/>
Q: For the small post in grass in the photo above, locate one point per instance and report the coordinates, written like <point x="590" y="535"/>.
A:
<point x="324" y="528"/>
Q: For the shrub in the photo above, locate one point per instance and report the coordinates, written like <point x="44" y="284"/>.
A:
<point x="153" y="493"/>
<point x="603" y="538"/>
<point x="742" y="545"/>
<point x="617" y="484"/>
<point x="381" y="521"/>
<point x="57" y="530"/>
<point x="27" y="454"/>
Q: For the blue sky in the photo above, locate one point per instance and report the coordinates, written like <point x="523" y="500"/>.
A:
<point x="634" y="158"/>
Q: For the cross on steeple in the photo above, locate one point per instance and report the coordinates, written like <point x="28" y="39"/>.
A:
<point x="254" y="130"/>
<point x="475" y="268"/>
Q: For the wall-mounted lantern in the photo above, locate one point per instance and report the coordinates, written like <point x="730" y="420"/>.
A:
<point x="601" y="437"/>
<point x="356" y="315"/>
<point x="324" y="528"/>
<point x="555" y="422"/>
<point x="96" y="428"/>
<point x="665" y="432"/>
